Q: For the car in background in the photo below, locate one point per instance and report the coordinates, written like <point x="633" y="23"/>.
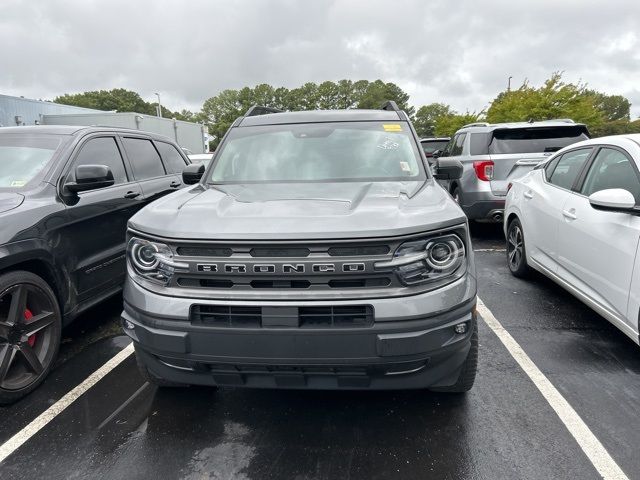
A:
<point x="493" y="155"/>
<point x="576" y="219"/>
<point x="433" y="145"/>
<point x="202" y="158"/>
<point x="66" y="194"/>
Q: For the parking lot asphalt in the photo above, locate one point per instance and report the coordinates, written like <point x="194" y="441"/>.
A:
<point x="504" y="428"/>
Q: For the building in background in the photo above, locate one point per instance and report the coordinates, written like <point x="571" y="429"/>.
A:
<point x="23" y="111"/>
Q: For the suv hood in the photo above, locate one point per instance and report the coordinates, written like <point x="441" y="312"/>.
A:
<point x="300" y="211"/>
<point x="10" y="200"/>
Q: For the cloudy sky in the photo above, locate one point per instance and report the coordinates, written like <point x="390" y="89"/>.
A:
<point x="456" y="52"/>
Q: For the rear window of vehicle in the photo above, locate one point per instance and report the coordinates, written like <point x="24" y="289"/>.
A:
<point x="318" y="152"/>
<point x="535" y="139"/>
<point x="431" y="146"/>
<point x="24" y="157"/>
<point x="172" y="158"/>
<point x="144" y="158"/>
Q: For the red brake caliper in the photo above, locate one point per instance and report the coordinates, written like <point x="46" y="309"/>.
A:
<point x="32" y="339"/>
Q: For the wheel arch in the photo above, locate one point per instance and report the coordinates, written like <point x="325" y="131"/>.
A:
<point x="39" y="263"/>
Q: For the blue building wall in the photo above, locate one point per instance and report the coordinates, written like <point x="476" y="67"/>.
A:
<point x="28" y="111"/>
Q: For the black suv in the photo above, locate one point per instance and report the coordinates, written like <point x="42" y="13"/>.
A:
<point x="66" y="194"/>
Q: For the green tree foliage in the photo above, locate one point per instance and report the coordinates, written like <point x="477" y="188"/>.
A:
<point x="613" y="107"/>
<point x="220" y="112"/>
<point x="427" y="116"/>
<point x="447" y="125"/>
<point x="616" y="127"/>
<point x="554" y="99"/>
<point x="119" y="100"/>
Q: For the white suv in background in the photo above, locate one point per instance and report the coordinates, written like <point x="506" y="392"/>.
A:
<point x="576" y="219"/>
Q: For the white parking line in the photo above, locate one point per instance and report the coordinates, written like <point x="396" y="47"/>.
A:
<point x="11" y="445"/>
<point x="489" y="249"/>
<point x="590" y="445"/>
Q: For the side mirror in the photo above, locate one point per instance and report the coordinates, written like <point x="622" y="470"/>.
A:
<point x="436" y="153"/>
<point x="192" y="174"/>
<point x="447" y="169"/>
<point x="614" y="200"/>
<point x="90" y="177"/>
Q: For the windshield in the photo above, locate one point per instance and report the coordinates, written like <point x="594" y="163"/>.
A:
<point x="23" y="157"/>
<point x="535" y="140"/>
<point x="431" y="146"/>
<point x="319" y="152"/>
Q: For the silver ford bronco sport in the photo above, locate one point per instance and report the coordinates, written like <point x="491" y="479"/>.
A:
<point x="315" y="251"/>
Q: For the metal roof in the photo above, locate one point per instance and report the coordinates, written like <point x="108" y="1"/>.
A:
<point x="73" y="129"/>
<point x="321" y="116"/>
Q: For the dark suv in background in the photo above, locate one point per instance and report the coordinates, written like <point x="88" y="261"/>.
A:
<point x="66" y="194"/>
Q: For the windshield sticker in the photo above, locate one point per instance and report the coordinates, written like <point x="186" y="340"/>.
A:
<point x="393" y="127"/>
<point x="388" y="144"/>
<point x="405" y="166"/>
<point x="18" y="183"/>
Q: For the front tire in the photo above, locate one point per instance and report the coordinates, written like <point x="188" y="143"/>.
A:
<point x="30" y="329"/>
<point x="469" y="369"/>
<point x="152" y="379"/>
<point x="516" y="250"/>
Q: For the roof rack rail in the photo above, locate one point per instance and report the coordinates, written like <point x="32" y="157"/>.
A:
<point x="255" y="110"/>
<point x="565" y="120"/>
<point x="390" y="106"/>
<point x="476" y="124"/>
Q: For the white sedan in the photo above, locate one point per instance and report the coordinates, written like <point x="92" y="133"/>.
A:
<point x="576" y="219"/>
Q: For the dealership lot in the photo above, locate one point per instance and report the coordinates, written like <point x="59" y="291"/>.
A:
<point x="503" y="428"/>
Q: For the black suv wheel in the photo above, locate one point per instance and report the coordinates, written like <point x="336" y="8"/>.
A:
<point x="30" y="326"/>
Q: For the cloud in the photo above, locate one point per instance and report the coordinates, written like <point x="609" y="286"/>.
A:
<point x="460" y="53"/>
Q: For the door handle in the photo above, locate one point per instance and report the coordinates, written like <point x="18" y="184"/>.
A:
<point x="131" y="194"/>
<point x="175" y="184"/>
<point x="528" y="195"/>
<point x="569" y="215"/>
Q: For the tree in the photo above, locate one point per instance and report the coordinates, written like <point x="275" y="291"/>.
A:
<point x="378" y="92"/>
<point x="447" y="125"/>
<point x="427" y="116"/>
<point x="118" y="99"/>
<point x="219" y="112"/>
<point x="613" y="107"/>
<point x="554" y="99"/>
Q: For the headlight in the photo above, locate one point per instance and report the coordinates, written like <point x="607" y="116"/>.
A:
<point x="152" y="260"/>
<point x="428" y="260"/>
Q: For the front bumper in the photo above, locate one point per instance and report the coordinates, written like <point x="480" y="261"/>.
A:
<point x="411" y="344"/>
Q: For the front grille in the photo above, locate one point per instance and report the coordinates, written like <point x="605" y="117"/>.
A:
<point x="302" y="269"/>
<point x="324" y="317"/>
<point x="227" y="316"/>
<point x="234" y="316"/>
<point x="285" y="283"/>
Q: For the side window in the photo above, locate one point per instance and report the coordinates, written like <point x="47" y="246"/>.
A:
<point x="611" y="169"/>
<point x="101" y="151"/>
<point x="550" y="166"/>
<point x="144" y="158"/>
<point x="478" y="144"/>
<point x="171" y="157"/>
<point x="569" y="167"/>
<point x="447" y="150"/>
<point x="458" y="144"/>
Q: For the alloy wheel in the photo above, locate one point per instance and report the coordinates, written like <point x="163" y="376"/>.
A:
<point x="26" y="335"/>
<point x="515" y="247"/>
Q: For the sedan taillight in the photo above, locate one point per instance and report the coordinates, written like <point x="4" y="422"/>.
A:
<point x="484" y="170"/>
